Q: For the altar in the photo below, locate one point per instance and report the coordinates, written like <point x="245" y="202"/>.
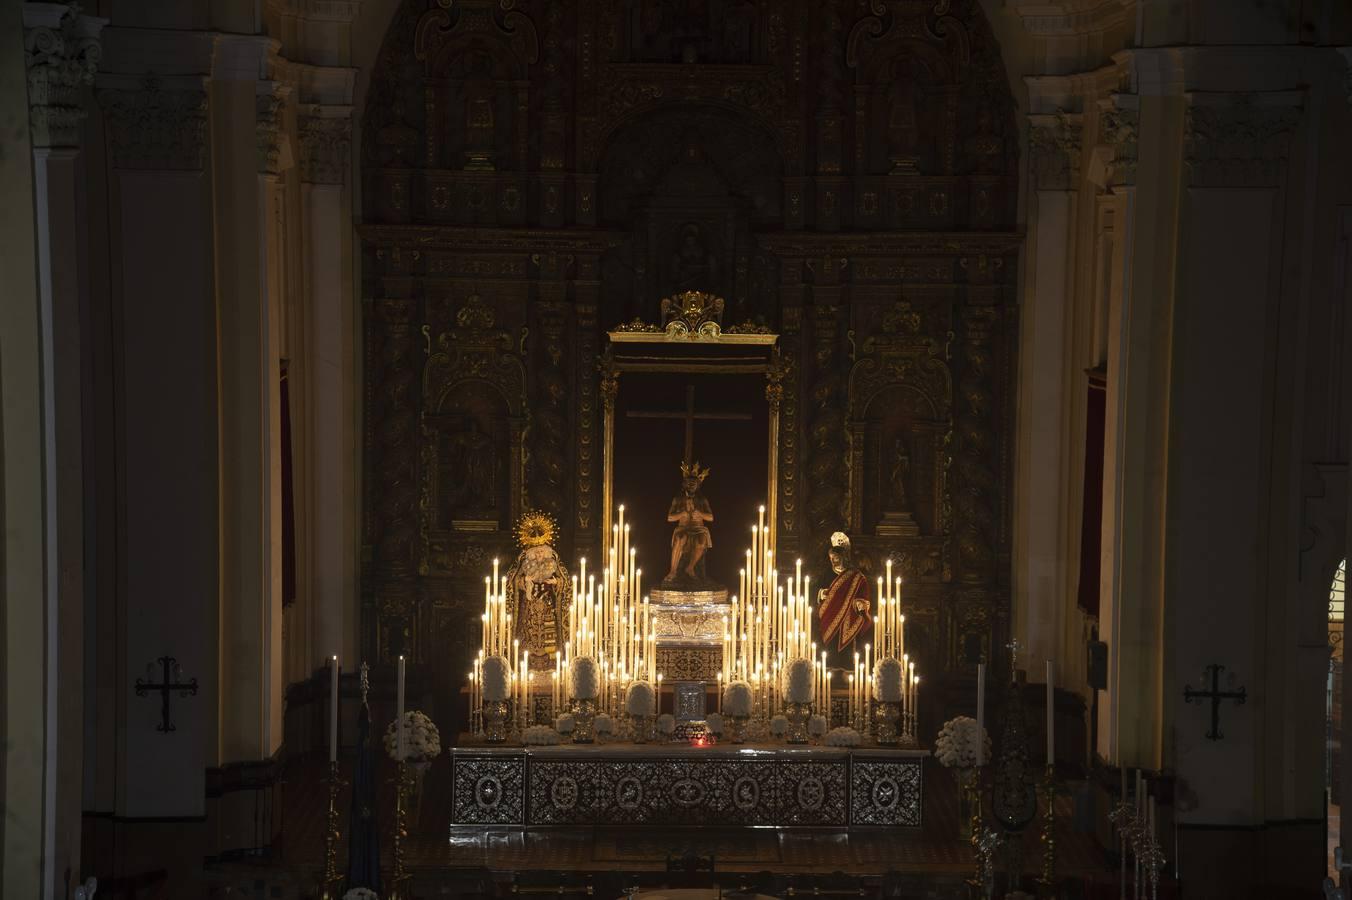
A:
<point x="675" y="784"/>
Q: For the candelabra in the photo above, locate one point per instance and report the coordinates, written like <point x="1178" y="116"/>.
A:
<point x="399" y="880"/>
<point x="331" y="882"/>
<point x="983" y="850"/>
<point x="1124" y="819"/>
<point x="1153" y="857"/>
<point x="1048" y="878"/>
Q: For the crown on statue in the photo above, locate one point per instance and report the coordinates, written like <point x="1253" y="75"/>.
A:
<point x="692" y="470"/>
<point x="535" y="529"/>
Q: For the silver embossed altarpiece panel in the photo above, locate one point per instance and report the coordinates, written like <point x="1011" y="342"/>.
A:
<point x="677" y="785"/>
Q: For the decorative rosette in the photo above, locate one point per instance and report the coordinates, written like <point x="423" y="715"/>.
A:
<point x="361" y="893"/>
<point x="495" y="677"/>
<point x="843" y="737"/>
<point x="540" y="736"/>
<point x="603" y="724"/>
<point x="816" y="726"/>
<point x="956" y="744"/>
<point x="800" y="680"/>
<point x="564" y="724"/>
<point x="640" y="700"/>
<point x="422" y="741"/>
<point x="887" y="680"/>
<point x="666" y="724"/>
<point x="582" y="679"/>
<point x="779" y="726"/>
<point x="714" y="722"/>
<point x="737" y="699"/>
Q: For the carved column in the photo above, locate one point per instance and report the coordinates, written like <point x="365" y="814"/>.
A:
<point x="61" y="54"/>
<point x="549" y="409"/>
<point x="589" y="502"/>
<point x="789" y="507"/>
<point x="826" y="460"/>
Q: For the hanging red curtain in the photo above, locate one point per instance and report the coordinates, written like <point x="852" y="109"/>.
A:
<point x="288" y="497"/>
<point x="1091" y="510"/>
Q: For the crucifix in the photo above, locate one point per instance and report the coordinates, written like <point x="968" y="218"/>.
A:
<point x="1215" y="695"/>
<point x="689" y="416"/>
<point x="165" y="687"/>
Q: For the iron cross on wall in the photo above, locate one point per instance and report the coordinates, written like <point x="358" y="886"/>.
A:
<point x="1215" y="695"/>
<point x="165" y="687"/>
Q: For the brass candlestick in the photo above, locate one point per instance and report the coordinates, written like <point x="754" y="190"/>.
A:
<point x="330" y="885"/>
<point x="1048" y="878"/>
<point x="978" y="879"/>
<point x="399" y="881"/>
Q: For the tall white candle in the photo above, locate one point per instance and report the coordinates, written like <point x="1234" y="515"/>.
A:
<point x="1051" y="717"/>
<point x="980" y="714"/>
<point x="333" y="709"/>
<point x="399" y="715"/>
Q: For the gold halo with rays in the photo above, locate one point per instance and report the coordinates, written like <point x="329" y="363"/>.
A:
<point x="535" y="529"/>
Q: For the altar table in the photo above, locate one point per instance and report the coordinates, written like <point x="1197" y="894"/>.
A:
<point x="665" y="785"/>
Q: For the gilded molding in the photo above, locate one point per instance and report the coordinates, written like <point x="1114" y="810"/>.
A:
<point x="61" y="55"/>
<point x="156" y="127"/>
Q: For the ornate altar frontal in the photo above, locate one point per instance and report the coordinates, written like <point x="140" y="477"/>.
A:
<point x="682" y="785"/>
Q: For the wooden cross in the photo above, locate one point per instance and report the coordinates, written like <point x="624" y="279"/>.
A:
<point x="165" y="687"/>
<point x="689" y="415"/>
<point x="1215" y="695"/>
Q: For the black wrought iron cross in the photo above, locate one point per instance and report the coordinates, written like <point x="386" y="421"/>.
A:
<point x="1215" y="695"/>
<point x="689" y="416"/>
<point x="166" y="687"/>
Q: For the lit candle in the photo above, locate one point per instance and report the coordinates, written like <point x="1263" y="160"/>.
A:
<point x="399" y="714"/>
<point x="1051" y="717"/>
<point x="980" y="714"/>
<point x="333" y="709"/>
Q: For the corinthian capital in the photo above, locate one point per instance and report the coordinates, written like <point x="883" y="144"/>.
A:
<point x="61" y="54"/>
<point x="1055" y="145"/>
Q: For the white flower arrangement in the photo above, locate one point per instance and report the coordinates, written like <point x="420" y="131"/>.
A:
<point x="582" y="678"/>
<point x="800" y="674"/>
<point x="666" y="724"/>
<point x="714" y="722"/>
<point x="361" y="893"/>
<point x="843" y="737"/>
<point x="887" y="680"/>
<point x="494" y="675"/>
<point x="737" y="699"/>
<point x="640" y="700"/>
<point x="779" y="726"/>
<point x="422" y="741"/>
<point x="564" y="724"/>
<point x="956" y="744"/>
<point x="816" y="726"/>
<point x="540" y="736"/>
<point x="603" y="724"/>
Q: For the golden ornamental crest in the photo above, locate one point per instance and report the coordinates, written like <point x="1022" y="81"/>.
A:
<point x="693" y="470"/>
<point x="536" y="529"/>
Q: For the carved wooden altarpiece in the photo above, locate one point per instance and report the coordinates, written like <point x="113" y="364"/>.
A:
<point x="536" y="173"/>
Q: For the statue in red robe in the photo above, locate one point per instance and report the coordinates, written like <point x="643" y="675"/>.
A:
<point x="844" y="607"/>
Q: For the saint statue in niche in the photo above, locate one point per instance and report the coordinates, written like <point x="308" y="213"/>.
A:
<point x="843" y="606"/>
<point x="471" y="473"/>
<point x="693" y="268"/>
<point x="691" y="539"/>
<point x="901" y="476"/>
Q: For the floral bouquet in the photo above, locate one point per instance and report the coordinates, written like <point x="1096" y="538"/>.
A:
<point x="737" y="700"/>
<point x="888" y="676"/>
<point x="714" y="722"/>
<point x="540" y="736"/>
<point x="800" y="680"/>
<point x="640" y="700"/>
<point x="582" y="678"/>
<point x="564" y="724"/>
<point x="495" y="679"/>
<point x="603" y="724"/>
<point x="666" y="724"/>
<point x="956" y="744"/>
<point x="816" y="726"/>
<point x="843" y="737"/>
<point x="422" y="741"/>
<point x="779" y="726"/>
<point x="361" y="893"/>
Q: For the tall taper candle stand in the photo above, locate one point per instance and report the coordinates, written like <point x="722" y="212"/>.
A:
<point x="331" y="883"/>
<point x="1123" y="818"/>
<point x="399" y="880"/>
<point x="1048" y="879"/>
<point x="979" y="856"/>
